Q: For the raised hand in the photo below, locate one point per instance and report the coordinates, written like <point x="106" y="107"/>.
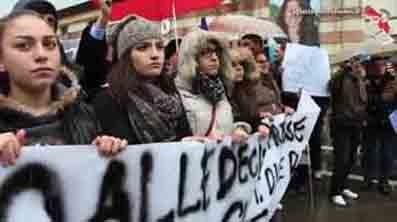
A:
<point x="106" y="12"/>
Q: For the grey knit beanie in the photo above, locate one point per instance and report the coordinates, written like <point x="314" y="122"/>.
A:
<point x="134" y="31"/>
<point x="113" y="30"/>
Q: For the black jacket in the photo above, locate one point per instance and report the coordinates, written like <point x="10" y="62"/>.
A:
<point x="374" y="89"/>
<point x="69" y="121"/>
<point x="91" y="55"/>
<point x="117" y="121"/>
<point x="382" y="101"/>
<point x="349" y="100"/>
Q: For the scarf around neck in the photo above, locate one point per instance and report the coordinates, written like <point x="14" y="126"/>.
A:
<point x="155" y="120"/>
<point x="212" y="88"/>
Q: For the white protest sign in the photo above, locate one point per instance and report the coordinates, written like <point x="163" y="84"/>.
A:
<point x="308" y="68"/>
<point x="306" y="104"/>
<point x="285" y="158"/>
<point x="156" y="182"/>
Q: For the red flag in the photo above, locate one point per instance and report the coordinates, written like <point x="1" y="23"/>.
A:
<point x="158" y="9"/>
<point x="376" y="16"/>
<point x="384" y="25"/>
<point x="371" y="12"/>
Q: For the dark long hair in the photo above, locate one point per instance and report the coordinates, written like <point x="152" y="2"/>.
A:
<point x="124" y="79"/>
<point x="4" y="22"/>
<point x="308" y="30"/>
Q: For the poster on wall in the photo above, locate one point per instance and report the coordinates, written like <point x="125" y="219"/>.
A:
<point x="378" y="24"/>
<point x="298" y="18"/>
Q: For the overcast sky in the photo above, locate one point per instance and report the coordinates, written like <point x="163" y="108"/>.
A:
<point x="6" y="5"/>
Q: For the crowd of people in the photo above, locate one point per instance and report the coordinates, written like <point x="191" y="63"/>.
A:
<point x="363" y="98"/>
<point x="194" y="88"/>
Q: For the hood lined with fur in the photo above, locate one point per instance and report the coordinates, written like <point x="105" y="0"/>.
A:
<point x="64" y="96"/>
<point x="189" y="51"/>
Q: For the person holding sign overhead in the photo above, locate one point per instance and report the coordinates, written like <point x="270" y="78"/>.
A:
<point x="35" y="107"/>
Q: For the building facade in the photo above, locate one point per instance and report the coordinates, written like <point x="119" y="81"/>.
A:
<point x="340" y="21"/>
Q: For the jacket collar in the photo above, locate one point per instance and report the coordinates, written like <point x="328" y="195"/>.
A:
<point x="65" y="96"/>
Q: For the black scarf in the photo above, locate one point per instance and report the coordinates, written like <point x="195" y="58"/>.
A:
<point x="212" y="88"/>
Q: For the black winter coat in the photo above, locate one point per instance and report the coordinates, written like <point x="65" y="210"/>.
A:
<point x="382" y="101"/>
<point x="118" y="121"/>
<point x="91" y="55"/>
<point x="70" y="121"/>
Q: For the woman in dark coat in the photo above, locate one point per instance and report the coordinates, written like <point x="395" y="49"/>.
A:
<point x="256" y="94"/>
<point x="141" y="103"/>
<point x="35" y="108"/>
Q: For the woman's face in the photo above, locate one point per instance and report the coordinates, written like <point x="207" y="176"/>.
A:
<point x="359" y="68"/>
<point x="238" y="70"/>
<point x="30" y="54"/>
<point x="292" y="16"/>
<point x="208" y="60"/>
<point x="148" y="57"/>
<point x="254" y="46"/>
<point x="262" y="63"/>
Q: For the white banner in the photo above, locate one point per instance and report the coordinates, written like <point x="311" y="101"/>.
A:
<point x="157" y="182"/>
<point x="308" y="68"/>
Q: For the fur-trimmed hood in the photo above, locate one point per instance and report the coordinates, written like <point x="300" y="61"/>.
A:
<point x="191" y="45"/>
<point x="63" y="97"/>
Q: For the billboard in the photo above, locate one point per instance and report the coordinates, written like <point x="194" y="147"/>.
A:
<point x="298" y="18"/>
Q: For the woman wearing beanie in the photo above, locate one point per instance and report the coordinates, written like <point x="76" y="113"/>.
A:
<point x="204" y="71"/>
<point x="141" y="103"/>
